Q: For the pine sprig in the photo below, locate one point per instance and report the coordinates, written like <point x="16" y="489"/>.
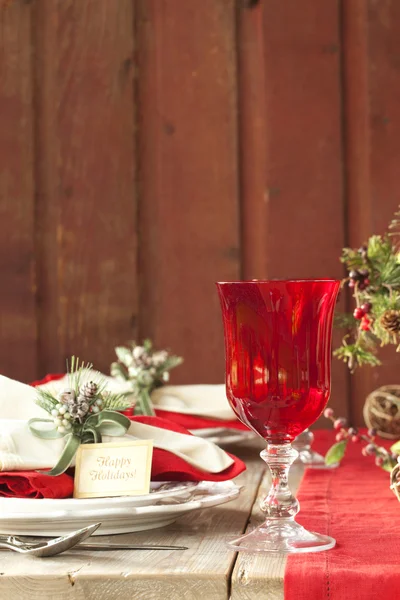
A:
<point x="46" y="400"/>
<point x="115" y="401"/>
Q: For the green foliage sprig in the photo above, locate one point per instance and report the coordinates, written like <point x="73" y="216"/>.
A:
<point x="374" y="277"/>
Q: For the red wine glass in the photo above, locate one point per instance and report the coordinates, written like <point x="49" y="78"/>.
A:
<point x="278" y="360"/>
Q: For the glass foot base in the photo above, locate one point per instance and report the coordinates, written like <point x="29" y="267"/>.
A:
<point x="313" y="460"/>
<point x="283" y="536"/>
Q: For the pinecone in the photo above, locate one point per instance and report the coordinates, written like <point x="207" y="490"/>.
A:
<point x="87" y="391"/>
<point x="81" y="406"/>
<point x="390" y="321"/>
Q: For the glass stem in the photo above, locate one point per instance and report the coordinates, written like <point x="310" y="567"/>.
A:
<point x="304" y="441"/>
<point x="280" y="502"/>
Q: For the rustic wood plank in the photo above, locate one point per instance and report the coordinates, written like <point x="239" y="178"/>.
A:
<point x="260" y="576"/>
<point x="86" y="179"/>
<point x="371" y="36"/>
<point x="17" y="260"/>
<point x="254" y="141"/>
<point x="201" y="572"/>
<point x="189" y="213"/>
<point x="291" y="157"/>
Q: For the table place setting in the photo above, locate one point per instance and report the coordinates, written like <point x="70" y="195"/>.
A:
<point x="37" y="456"/>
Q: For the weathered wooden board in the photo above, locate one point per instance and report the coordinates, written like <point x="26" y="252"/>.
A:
<point x="86" y="197"/>
<point x="17" y="209"/>
<point x="371" y="37"/>
<point x="189" y="196"/>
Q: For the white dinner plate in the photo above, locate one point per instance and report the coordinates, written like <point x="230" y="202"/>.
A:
<point x="166" y="503"/>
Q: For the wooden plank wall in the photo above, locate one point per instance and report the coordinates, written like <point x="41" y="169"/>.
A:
<point x="151" y="147"/>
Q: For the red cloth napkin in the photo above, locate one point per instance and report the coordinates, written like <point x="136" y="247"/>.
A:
<point x="353" y="504"/>
<point x="30" y="484"/>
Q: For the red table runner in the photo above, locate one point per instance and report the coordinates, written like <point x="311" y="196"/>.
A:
<point x="353" y="504"/>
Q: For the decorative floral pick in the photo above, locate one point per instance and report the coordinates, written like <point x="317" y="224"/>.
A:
<point x="81" y="413"/>
<point x="374" y="278"/>
<point x="145" y="369"/>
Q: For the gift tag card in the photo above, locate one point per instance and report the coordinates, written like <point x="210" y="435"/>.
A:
<point x="113" y="469"/>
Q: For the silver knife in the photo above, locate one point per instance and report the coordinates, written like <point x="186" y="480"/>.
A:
<point x="122" y="546"/>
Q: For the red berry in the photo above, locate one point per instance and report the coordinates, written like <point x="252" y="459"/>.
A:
<point x="364" y="452"/>
<point x="370" y="449"/>
<point x="365" y="324"/>
<point x="379" y="461"/>
<point x="358" y="313"/>
<point x="339" y="423"/>
<point x="366" y="307"/>
<point x="328" y="413"/>
<point x="366" y="282"/>
<point x="351" y="283"/>
<point x="355" y="438"/>
<point x="340" y="437"/>
<point x="352" y="431"/>
<point x="372" y="432"/>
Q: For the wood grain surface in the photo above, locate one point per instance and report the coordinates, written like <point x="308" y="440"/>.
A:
<point x="17" y="195"/>
<point x="188" y="177"/>
<point x="86" y="198"/>
<point x="371" y="51"/>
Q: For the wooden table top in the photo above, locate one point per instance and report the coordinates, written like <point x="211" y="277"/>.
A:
<point x="208" y="570"/>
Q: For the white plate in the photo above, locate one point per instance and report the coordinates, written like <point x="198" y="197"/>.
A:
<point x="223" y="436"/>
<point x="23" y="516"/>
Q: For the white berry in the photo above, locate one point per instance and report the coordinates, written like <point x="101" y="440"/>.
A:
<point x="54" y="413"/>
<point x="67" y="415"/>
<point x="99" y="402"/>
<point x="63" y="410"/>
<point x="58" y="406"/>
<point x="95" y="409"/>
<point x="57" y="422"/>
<point x="165" y="376"/>
<point x="61" y="429"/>
<point x="67" y="424"/>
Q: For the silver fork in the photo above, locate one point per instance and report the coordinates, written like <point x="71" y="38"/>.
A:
<point x="50" y="547"/>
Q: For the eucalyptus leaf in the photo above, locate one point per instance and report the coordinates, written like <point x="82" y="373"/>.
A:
<point x="336" y="453"/>
<point x="124" y="355"/>
<point x="117" y="371"/>
<point x="396" y="447"/>
<point x="387" y="465"/>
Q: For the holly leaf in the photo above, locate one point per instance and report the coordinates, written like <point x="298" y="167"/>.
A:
<point x="336" y="453"/>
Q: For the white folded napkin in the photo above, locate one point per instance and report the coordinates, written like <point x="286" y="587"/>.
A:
<point x="202" y="400"/>
<point x="21" y="450"/>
